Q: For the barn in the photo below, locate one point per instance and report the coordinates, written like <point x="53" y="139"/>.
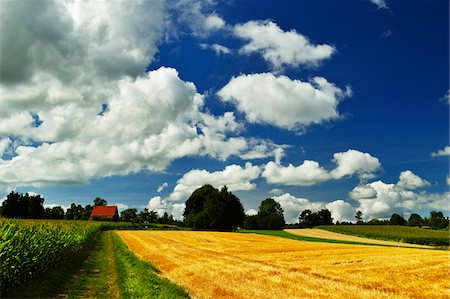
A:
<point x="104" y="213"/>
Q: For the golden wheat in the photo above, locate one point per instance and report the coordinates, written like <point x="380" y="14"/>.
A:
<point x="233" y="265"/>
<point x="323" y="234"/>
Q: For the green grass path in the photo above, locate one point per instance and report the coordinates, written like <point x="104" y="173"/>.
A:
<point x="105" y="269"/>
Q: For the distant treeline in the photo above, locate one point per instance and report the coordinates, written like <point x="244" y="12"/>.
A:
<point x="25" y="206"/>
<point x="208" y="209"/>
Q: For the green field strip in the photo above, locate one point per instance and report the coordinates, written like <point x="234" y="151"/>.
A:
<point x="283" y="234"/>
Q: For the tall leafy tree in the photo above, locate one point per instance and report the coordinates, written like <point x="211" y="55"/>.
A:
<point x="128" y="215"/>
<point x="415" y="220"/>
<point x="359" y="217"/>
<point x="396" y="219"/>
<point x="209" y="208"/>
<point x="98" y="201"/>
<point x="19" y="205"/>
<point x="270" y="215"/>
<point x="437" y="220"/>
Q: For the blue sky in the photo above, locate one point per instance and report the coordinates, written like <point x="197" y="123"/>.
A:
<point x="318" y="104"/>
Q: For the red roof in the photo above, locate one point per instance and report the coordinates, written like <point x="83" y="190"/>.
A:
<point x="104" y="212"/>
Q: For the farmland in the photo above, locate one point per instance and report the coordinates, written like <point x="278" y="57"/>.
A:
<point x="42" y="258"/>
<point x="230" y="265"/>
<point x="329" y="235"/>
<point x="405" y="234"/>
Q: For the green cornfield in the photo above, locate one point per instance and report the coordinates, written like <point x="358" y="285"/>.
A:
<point x="31" y="247"/>
<point x="414" y="235"/>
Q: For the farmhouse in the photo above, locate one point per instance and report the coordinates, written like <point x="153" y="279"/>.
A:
<point x="104" y="213"/>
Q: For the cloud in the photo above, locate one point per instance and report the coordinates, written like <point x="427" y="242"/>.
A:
<point x="310" y="172"/>
<point x="381" y="200"/>
<point x="150" y="121"/>
<point x="442" y="152"/>
<point x="251" y="212"/>
<point x="446" y="98"/>
<point x="52" y="205"/>
<point x="4" y="144"/>
<point x="276" y="191"/>
<point x="282" y="102"/>
<point x="341" y="211"/>
<point x="162" y="187"/>
<point x="235" y="177"/>
<point x="293" y="206"/>
<point x="218" y="49"/>
<point x="353" y="161"/>
<point x="161" y="205"/>
<point x="386" y="33"/>
<point x="121" y="207"/>
<point x="307" y="174"/>
<point x="409" y="181"/>
<point x="380" y="3"/>
<point x="196" y="16"/>
<point x="280" y="48"/>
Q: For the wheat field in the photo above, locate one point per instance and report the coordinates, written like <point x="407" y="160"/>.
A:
<point x="233" y="265"/>
<point x="324" y="234"/>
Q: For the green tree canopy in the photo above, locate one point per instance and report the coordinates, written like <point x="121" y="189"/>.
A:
<point x="396" y="219"/>
<point x="128" y="215"/>
<point x="270" y="215"/>
<point x="415" y="220"/>
<point x="310" y="219"/>
<point x="98" y="201"/>
<point x="19" y="205"/>
<point x="209" y="208"/>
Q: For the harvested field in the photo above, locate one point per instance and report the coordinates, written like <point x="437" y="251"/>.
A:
<point x="323" y="234"/>
<point x="233" y="265"/>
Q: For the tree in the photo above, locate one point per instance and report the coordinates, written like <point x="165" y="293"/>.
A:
<point x="376" y="221"/>
<point x="23" y="206"/>
<point x="359" y="217"/>
<point x="250" y="222"/>
<point x="207" y="208"/>
<point x="396" y="219"/>
<point x="324" y="217"/>
<point x="415" y="220"/>
<point x="86" y="212"/>
<point x="54" y="213"/>
<point x="437" y="220"/>
<point x="310" y="219"/>
<point x="194" y="214"/>
<point x="147" y="216"/>
<point x="74" y="212"/>
<point x="306" y="219"/>
<point x="128" y="215"/>
<point x="270" y="215"/>
<point x="98" y="201"/>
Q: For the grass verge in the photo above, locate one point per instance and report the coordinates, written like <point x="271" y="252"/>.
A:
<point x="283" y="234"/>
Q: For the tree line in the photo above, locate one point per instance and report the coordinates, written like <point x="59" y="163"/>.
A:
<point x="208" y="209"/>
<point x="26" y="206"/>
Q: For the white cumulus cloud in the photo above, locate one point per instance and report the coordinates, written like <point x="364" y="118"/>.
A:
<point x="277" y="100"/>
<point x="307" y="174"/>
<point x="162" y="187"/>
<point x="353" y="161"/>
<point x="380" y="200"/>
<point x="409" y="181"/>
<point x="310" y="173"/>
<point x="443" y="152"/>
<point x="278" y="47"/>
<point x="235" y="177"/>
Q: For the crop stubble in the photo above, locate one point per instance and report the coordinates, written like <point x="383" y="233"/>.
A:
<point x="233" y="265"/>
